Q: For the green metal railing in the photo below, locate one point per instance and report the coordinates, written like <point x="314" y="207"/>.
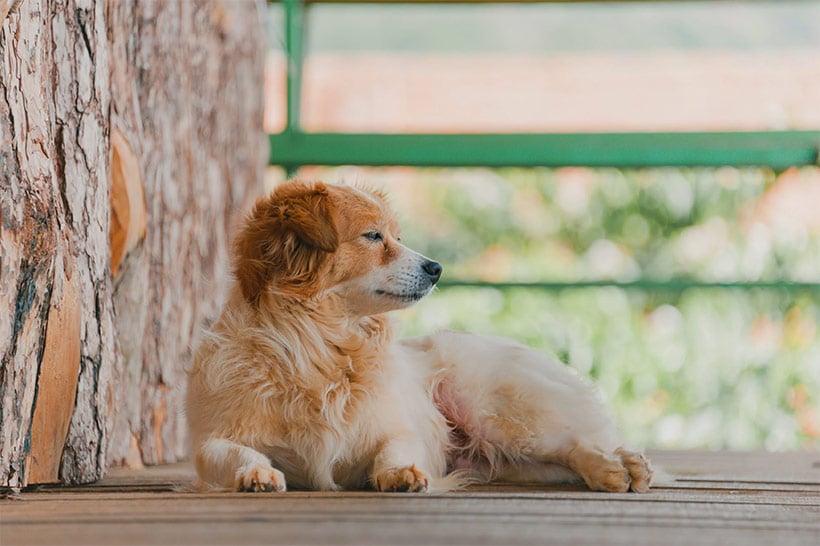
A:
<point x="777" y="150"/>
<point x="294" y="147"/>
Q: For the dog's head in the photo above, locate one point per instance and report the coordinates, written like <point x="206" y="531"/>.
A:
<point x="305" y="240"/>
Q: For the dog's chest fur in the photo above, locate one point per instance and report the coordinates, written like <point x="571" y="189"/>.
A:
<point x="317" y="395"/>
<point x="337" y="407"/>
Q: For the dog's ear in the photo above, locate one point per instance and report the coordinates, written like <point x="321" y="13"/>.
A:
<point x="285" y="239"/>
<point x="307" y="212"/>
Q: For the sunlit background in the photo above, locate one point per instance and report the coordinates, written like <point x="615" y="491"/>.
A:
<point x="700" y="367"/>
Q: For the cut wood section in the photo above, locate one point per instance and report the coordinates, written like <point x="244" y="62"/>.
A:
<point x="142" y="507"/>
<point x="56" y="385"/>
<point x="127" y="201"/>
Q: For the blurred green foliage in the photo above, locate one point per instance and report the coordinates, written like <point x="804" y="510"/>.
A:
<point x="700" y="368"/>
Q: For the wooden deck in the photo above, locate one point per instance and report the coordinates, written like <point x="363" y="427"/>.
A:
<point x="705" y="498"/>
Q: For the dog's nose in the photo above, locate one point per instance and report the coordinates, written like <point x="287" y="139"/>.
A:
<point x="433" y="269"/>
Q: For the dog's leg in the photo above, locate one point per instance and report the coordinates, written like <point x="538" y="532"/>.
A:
<point x="227" y="464"/>
<point x="394" y="468"/>
<point x="617" y="471"/>
<point x="531" y="417"/>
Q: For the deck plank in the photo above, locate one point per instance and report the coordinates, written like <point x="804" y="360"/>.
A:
<point x="704" y="498"/>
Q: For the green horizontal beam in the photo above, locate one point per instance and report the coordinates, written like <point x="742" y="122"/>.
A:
<point x="672" y="285"/>
<point x="489" y="1"/>
<point x="776" y="149"/>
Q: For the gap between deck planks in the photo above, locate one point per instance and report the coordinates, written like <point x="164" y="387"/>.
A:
<point x="703" y="498"/>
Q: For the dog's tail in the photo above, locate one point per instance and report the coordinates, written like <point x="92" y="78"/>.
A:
<point x="455" y="481"/>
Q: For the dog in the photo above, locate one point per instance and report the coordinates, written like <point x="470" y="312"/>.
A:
<point x="301" y="382"/>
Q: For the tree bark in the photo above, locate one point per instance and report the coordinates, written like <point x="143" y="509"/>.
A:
<point x="187" y="99"/>
<point x="54" y="203"/>
<point x="130" y="135"/>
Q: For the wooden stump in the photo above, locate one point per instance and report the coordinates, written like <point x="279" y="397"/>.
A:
<point x="130" y="137"/>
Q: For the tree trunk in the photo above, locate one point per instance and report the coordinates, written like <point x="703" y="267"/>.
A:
<point x="130" y="135"/>
<point x="187" y="100"/>
<point x="59" y="349"/>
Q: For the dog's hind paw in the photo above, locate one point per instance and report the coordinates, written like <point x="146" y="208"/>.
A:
<point x="640" y="472"/>
<point x="618" y="472"/>
<point x="402" y="479"/>
<point x="259" y="479"/>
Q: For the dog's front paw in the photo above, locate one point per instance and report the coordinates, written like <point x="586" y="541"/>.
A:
<point x="406" y="478"/>
<point x="254" y="479"/>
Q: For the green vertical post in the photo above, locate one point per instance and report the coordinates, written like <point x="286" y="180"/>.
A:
<point x="294" y="41"/>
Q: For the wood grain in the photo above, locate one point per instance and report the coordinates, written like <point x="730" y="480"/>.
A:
<point x="140" y="507"/>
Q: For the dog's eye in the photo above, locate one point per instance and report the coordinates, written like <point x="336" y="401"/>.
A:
<point x="373" y="236"/>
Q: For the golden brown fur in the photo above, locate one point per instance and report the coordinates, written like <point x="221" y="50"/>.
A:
<point x="301" y="381"/>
